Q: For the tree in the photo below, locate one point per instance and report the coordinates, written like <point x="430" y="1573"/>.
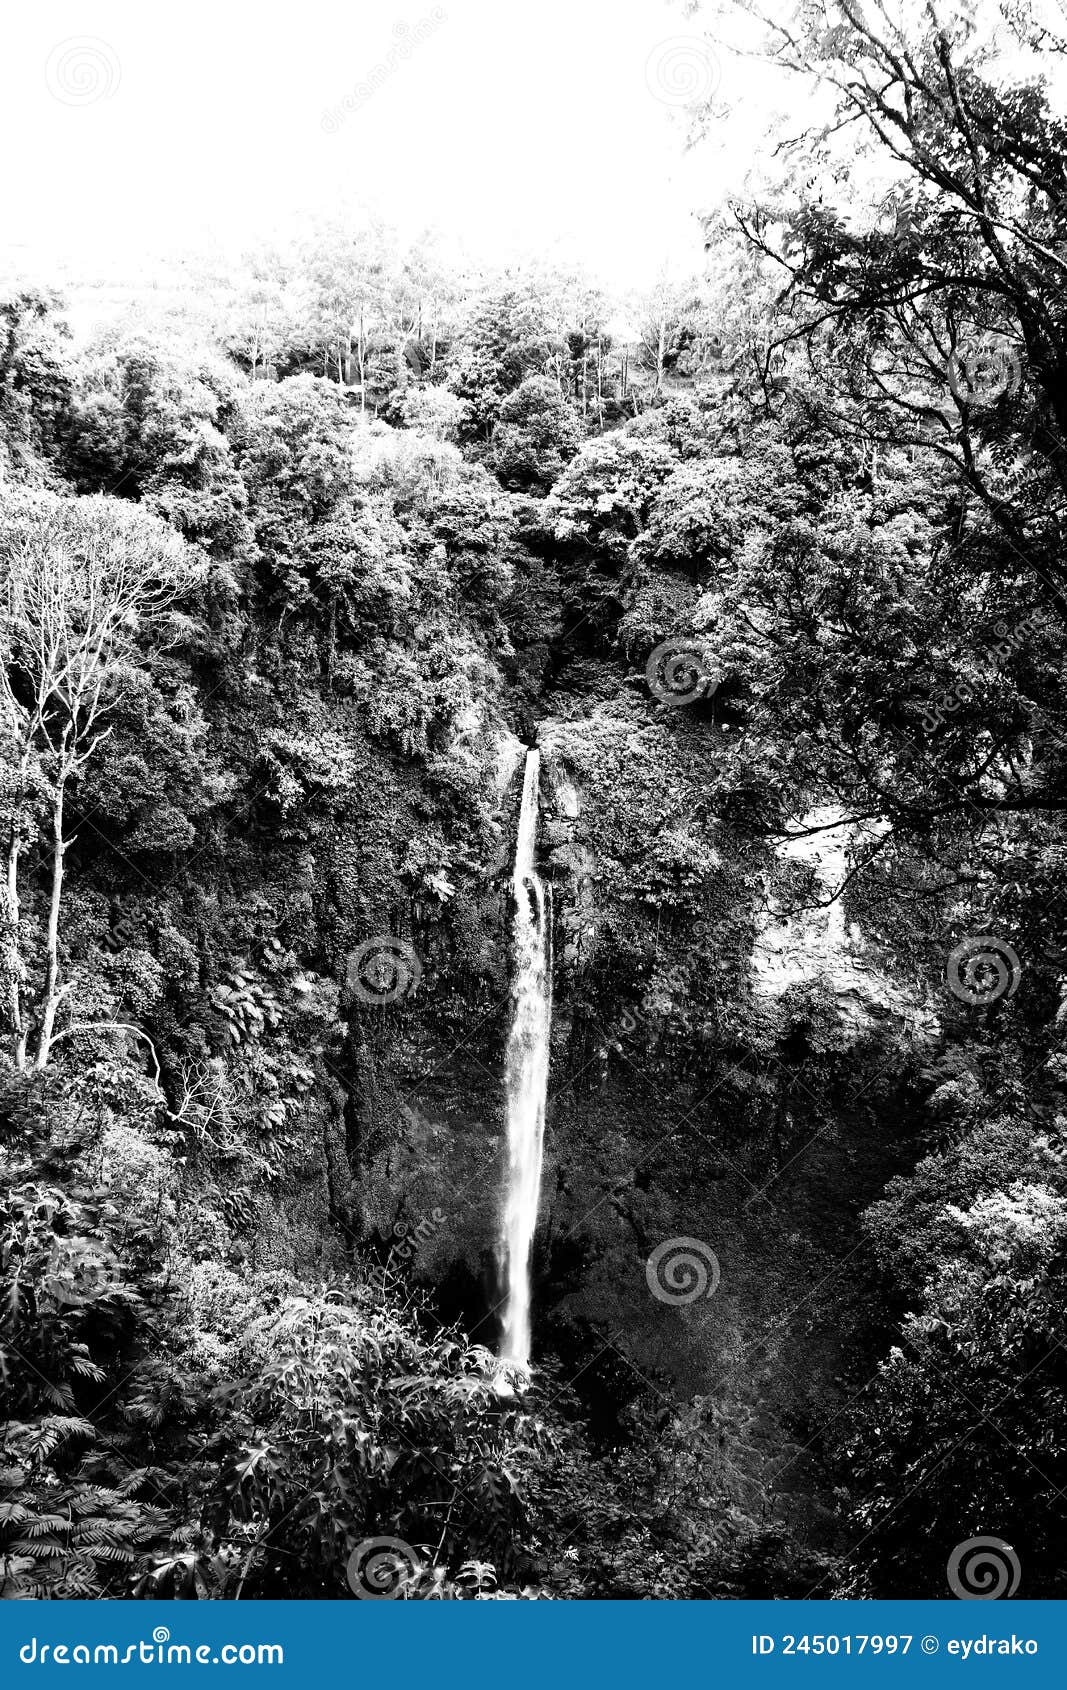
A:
<point x="962" y="1431"/>
<point x="155" y="422"/>
<point x="584" y="310"/>
<point x="507" y="336"/>
<point x="258" y="325"/>
<point x="661" y="312"/>
<point x="940" y="323"/>
<point x="432" y="410"/>
<point x="913" y="369"/>
<point x="350" y="280"/>
<point x="536" y="435"/>
<point x="35" y="381"/>
<point x="87" y="591"/>
<point x="426" y="293"/>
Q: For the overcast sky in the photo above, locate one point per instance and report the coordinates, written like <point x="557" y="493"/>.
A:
<point x="556" y="124"/>
<point x="556" y="127"/>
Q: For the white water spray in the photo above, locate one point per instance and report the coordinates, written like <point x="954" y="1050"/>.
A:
<point x="526" y="1074"/>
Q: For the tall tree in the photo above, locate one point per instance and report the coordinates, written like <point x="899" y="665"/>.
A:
<point x="940" y="322"/>
<point x="349" y="276"/>
<point x="87" y="588"/>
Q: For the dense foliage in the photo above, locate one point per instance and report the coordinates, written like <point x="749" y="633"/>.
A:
<point x="277" y="595"/>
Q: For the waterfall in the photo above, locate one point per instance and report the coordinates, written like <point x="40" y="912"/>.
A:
<point x="526" y="1074"/>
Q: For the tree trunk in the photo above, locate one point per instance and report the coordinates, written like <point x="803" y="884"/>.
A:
<point x="331" y="645"/>
<point x="12" y="962"/>
<point x="53" y="991"/>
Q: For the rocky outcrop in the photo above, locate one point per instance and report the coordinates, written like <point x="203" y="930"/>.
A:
<point x="815" y="943"/>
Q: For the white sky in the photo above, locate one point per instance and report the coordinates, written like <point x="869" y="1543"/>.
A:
<point x="515" y="126"/>
<point x="513" y="122"/>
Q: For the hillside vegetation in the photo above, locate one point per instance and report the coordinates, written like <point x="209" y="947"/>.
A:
<point x="772" y="566"/>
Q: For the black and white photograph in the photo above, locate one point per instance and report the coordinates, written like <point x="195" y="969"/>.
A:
<point x="533" y="804"/>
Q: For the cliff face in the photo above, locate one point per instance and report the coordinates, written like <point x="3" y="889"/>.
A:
<point x="729" y="1087"/>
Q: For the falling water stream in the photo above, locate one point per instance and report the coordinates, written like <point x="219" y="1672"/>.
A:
<point x="526" y="1074"/>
